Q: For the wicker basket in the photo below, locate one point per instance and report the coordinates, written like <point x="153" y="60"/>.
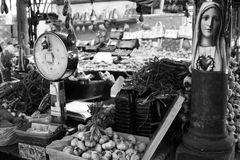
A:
<point x="8" y="136"/>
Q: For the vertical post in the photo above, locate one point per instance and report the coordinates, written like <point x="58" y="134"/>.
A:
<point x="22" y="27"/>
<point x="238" y="35"/>
<point x="161" y="5"/>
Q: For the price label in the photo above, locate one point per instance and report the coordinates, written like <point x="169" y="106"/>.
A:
<point x="171" y="33"/>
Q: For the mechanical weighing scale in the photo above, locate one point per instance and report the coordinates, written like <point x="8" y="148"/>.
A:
<point x="56" y="58"/>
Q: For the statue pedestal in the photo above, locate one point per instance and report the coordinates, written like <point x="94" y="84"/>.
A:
<point x="207" y="137"/>
<point x="184" y="153"/>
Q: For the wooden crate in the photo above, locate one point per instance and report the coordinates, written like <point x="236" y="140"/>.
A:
<point x="54" y="150"/>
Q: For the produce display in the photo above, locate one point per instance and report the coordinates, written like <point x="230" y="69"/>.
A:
<point x="122" y="52"/>
<point x="137" y="59"/>
<point x="162" y="76"/>
<point x="97" y="141"/>
<point x="8" y="125"/>
<point x="125" y="65"/>
<point x="175" y="6"/>
<point x="24" y="96"/>
<point x="105" y="14"/>
<point x="171" y="45"/>
<point x="146" y="44"/>
<point x="7" y="119"/>
<point x="106" y="145"/>
<point x="233" y="105"/>
<point x="41" y="128"/>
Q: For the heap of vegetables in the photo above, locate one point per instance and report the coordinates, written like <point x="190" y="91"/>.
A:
<point x="233" y="106"/>
<point x="97" y="141"/>
<point x="104" y="145"/>
<point x="163" y="76"/>
<point x="102" y="115"/>
<point x="24" y="96"/>
<point x="9" y="120"/>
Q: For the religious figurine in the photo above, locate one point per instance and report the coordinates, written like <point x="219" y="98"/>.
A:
<point x="207" y="136"/>
<point x="209" y="48"/>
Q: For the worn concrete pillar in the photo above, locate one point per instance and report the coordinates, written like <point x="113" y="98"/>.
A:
<point x="207" y="138"/>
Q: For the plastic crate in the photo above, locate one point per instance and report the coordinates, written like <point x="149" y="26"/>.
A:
<point x="37" y="138"/>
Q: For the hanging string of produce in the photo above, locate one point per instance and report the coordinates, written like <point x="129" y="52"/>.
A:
<point x="140" y="10"/>
<point x="4" y="7"/>
<point x="33" y="20"/>
<point x="67" y="11"/>
<point x="34" y="16"/>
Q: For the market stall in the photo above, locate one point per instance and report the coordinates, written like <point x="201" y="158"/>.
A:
<point x="109" y="80"/>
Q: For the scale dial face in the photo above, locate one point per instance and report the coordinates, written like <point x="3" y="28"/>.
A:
<point x="51" y="57"/>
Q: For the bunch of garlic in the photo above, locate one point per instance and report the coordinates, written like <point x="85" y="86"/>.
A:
<point x="233" y="105"/>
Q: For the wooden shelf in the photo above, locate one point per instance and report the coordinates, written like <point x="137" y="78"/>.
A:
<point x="61" y="2"/>
<point x="98" y="22"/>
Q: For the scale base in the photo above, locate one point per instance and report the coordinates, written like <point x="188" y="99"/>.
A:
<point x="58" y="102"/>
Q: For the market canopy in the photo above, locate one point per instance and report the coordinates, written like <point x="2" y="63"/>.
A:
<point x="149" y="3"/>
